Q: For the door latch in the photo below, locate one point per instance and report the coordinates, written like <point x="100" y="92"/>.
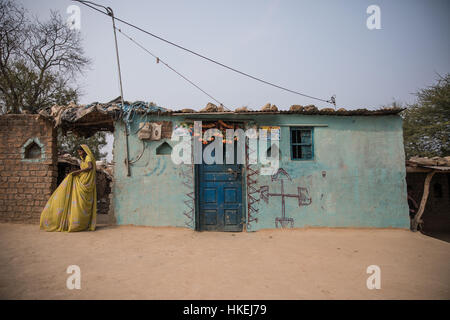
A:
<point x="233" y="172"/>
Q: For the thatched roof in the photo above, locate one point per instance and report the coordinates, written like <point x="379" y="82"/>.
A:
<point x="424" y="164"/>
<point x="87" y="119"/>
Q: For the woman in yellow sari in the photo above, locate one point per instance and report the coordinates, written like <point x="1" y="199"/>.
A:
<point x="73" y="205"/>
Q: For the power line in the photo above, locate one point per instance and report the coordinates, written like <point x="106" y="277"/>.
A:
<point x="109" y="12"/>
<point x="87" y="3"/>
<point x="163" y="62"/>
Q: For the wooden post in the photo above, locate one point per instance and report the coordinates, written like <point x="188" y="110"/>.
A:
<point x="127" y="159"/>
<point x="423" y="202"/>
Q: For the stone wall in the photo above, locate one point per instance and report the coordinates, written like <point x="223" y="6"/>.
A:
<point x="28" y="166"/>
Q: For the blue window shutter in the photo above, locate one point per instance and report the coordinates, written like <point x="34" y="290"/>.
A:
<point x="302" y="143"/>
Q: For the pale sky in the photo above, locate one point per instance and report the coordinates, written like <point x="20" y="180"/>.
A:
<point x="318" y="47"/>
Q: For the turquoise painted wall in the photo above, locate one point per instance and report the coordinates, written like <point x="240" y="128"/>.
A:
<point x="154" y="194"/>
<point x="356" y="179"/>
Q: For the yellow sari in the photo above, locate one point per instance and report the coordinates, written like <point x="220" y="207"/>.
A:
<point x="73" y="205"/>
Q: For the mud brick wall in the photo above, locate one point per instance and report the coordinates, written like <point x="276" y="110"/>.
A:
<point x="26" y="182"/>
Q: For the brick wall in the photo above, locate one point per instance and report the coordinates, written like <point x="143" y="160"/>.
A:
<point x="26" y="184"/>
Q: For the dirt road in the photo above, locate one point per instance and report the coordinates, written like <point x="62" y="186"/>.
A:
<point x="129" y="262"/>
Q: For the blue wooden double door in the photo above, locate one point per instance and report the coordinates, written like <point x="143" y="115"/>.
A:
<point x="220" y="197"/>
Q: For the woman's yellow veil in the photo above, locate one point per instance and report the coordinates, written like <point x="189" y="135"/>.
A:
<point x="90" y="154"/>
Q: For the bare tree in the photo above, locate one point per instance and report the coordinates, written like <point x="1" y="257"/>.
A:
<point x="38" y="60"/>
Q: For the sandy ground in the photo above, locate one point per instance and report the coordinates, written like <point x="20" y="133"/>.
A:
<point x="130" y="262"/>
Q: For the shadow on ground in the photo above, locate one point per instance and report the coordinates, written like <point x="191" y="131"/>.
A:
<point x="440" y="235"/>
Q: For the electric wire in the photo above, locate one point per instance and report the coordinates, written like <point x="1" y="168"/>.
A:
<point x="171" y="68"/>
<point x="88" y="4"/>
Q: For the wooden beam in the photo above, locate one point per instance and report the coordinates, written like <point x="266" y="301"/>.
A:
<point x="300" y="125"/>
<point x="424" y="170"/>
<point x="423" y="202"/>
<point x="417" y="169"/>
<point x="93" y="123"/>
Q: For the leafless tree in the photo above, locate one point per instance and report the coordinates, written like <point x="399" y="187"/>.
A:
<point x="39" y="61"/>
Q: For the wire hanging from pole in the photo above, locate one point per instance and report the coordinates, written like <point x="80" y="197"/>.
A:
<point x="127" y="159"/>
<point x="158" y="59"/>
<point x="332" y="100"/>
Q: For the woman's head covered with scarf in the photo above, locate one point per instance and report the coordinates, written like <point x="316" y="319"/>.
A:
<point x="87" y="151"/>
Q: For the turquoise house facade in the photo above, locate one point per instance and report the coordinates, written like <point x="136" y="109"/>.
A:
<point x="336" y="170"/>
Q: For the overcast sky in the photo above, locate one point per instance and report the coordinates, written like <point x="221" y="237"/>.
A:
<point x="318" y="47"/>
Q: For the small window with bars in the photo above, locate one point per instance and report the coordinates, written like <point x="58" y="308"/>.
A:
<point x="302" y="143"/>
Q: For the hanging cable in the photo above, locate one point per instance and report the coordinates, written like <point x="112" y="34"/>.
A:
<point x="163" y="62"/>
<point x="88" y="4"/>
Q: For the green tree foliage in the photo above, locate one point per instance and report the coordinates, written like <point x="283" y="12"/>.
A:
<point x="69" y="143"/>
<point x="426" y="123"/>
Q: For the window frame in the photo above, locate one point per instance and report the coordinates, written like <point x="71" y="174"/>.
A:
<point x="291" y="144"/>
<point x="23" y="150"/>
